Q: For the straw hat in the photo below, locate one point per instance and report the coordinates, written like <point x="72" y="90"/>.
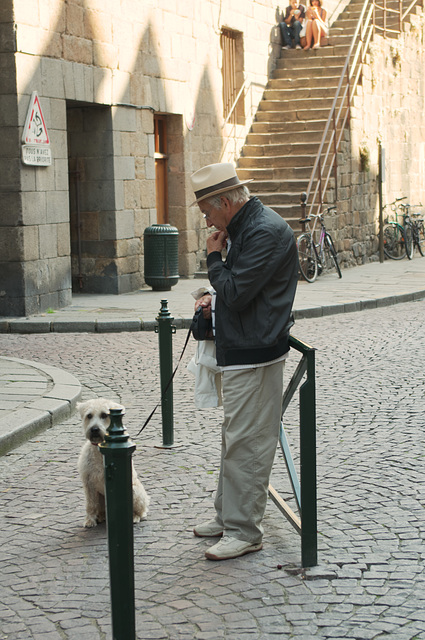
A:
<point x="214" y="179"/>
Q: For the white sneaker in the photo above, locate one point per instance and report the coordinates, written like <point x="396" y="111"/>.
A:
<point x="287" y="47"/>
<point x="298" y="46"/>
<point x="229" y="548"/>
<point x="208" y="530"/>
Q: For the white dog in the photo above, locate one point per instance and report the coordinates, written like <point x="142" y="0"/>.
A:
<point x="95" y="417"/>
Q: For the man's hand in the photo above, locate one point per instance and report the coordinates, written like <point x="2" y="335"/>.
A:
<point x="205" y="303"/>
<point x="216" y="241"/>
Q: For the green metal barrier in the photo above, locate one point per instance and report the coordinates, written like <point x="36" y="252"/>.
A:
<point x="117" y="450"/>
<point x="305" y="492"/>
<point x="165" y="329"/>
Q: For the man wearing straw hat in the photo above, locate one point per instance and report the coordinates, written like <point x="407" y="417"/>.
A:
<point x="254" y="289"/>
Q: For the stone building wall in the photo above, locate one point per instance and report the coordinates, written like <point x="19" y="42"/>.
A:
<point x="101" y="70"/>
<point x="389" y="108"/>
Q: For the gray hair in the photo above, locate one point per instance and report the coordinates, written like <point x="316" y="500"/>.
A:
<point x="236" y="196"/>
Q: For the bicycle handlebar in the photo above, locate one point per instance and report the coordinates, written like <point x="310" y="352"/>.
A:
<point x="390" y="204"/>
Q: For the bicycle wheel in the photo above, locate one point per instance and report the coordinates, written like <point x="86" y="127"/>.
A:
<point x="332" y="257"/>
<point x="408" y="239"/>
<point x="420" y="230"/>
<point x="394" y="243"/>
<point x="307" y="257"/>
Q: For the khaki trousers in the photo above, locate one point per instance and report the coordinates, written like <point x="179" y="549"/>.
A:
<point x="252" y="403"/>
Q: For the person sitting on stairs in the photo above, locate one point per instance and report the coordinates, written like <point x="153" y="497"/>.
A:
<point x="315" y="27"/>
<point x="292" y="24"/>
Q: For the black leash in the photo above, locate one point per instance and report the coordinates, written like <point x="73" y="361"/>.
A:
<point x="169" y="382"/>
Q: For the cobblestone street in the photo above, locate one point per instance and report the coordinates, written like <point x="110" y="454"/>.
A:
<point x="370" y="580"/>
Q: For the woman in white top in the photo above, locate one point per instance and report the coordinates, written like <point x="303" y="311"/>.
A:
<point x="316" y="26"/>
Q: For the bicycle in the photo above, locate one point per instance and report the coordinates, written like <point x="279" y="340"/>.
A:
<point x="398" y="238"/>
<point x="315" y="258"/>
<point x="418" y="232"/>
<point x="415" y="224"/>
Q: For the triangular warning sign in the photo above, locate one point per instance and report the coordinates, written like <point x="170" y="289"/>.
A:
<point x="35" y="130"/>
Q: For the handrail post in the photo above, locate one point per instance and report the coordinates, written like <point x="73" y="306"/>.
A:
<point x="303" y="199"/>
<point x="319" y="166"/>
<point x="335" y="160"/>
<point x="305" y="492"/>
<point x="385" y="18"/>
<point x="400" y="7"/>
<point x="308" y="464"/>
<point x="348" y="97"/>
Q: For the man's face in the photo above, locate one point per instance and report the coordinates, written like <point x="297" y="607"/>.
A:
<point x="213" y="217"/>
<point x="294" y="3"/>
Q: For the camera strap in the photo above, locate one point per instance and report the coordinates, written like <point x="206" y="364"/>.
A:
<point x="167" y="386"/>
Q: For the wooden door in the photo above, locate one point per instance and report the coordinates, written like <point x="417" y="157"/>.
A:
<point x="161" y="169"/>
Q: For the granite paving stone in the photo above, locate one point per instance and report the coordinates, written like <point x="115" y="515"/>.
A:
<point x="371" y="522"/>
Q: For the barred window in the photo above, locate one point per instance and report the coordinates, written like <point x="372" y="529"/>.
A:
<point x="231" y="43"/>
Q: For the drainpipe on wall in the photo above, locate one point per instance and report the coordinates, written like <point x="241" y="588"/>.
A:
<point x="381" y="179"/>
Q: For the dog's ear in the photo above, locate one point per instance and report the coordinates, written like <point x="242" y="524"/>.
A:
<point x="81" y="407"/>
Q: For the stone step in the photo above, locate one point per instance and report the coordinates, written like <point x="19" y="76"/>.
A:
<point x="320" y="70"/>
<point x="303" y="115"/>
<point x="300" y="93"/>
<point x="306" y="82"/>
<point x="264" y="162"/>
<point x="292" y="199"/>
<point x="303" y="74"/>
<point x="307" y="63"/>
<point x="277" y="150"/>
<point x="283" y="137"/>
<point x="274" y="173"/>
<point x="340" y="35"/>
<point x="292" y="186"/>
<point x="309" y="114"/>
<point x="295" y="104"/>
<point x="347" y="25"/>
<point x="351" y="13"/>
<point x="280" y="126"/>
<point x="336" y="48"/>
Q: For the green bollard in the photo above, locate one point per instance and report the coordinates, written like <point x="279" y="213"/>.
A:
<point x="308" y="464"/>
<point x="117" y="450"/>
<point x="165" y="330"/>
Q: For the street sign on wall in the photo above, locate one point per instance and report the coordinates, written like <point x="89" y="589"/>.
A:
<point x="35" y="137"/>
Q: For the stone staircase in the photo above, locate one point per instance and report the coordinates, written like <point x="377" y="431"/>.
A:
<point x="281" y="148"/>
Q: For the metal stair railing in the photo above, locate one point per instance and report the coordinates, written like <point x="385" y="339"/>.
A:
<point x="326" y="161"/>
<point x="304" y="490"/>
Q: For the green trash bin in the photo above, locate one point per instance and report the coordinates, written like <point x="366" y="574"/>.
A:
<point x="161" y="251"/>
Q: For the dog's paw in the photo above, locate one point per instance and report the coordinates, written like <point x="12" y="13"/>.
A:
<point x="90" y="521"/>
<point x="136" y="518"/>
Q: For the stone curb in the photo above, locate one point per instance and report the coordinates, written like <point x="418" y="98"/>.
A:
<point x="37" y="325"/>
<point x="37" y="415"/>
